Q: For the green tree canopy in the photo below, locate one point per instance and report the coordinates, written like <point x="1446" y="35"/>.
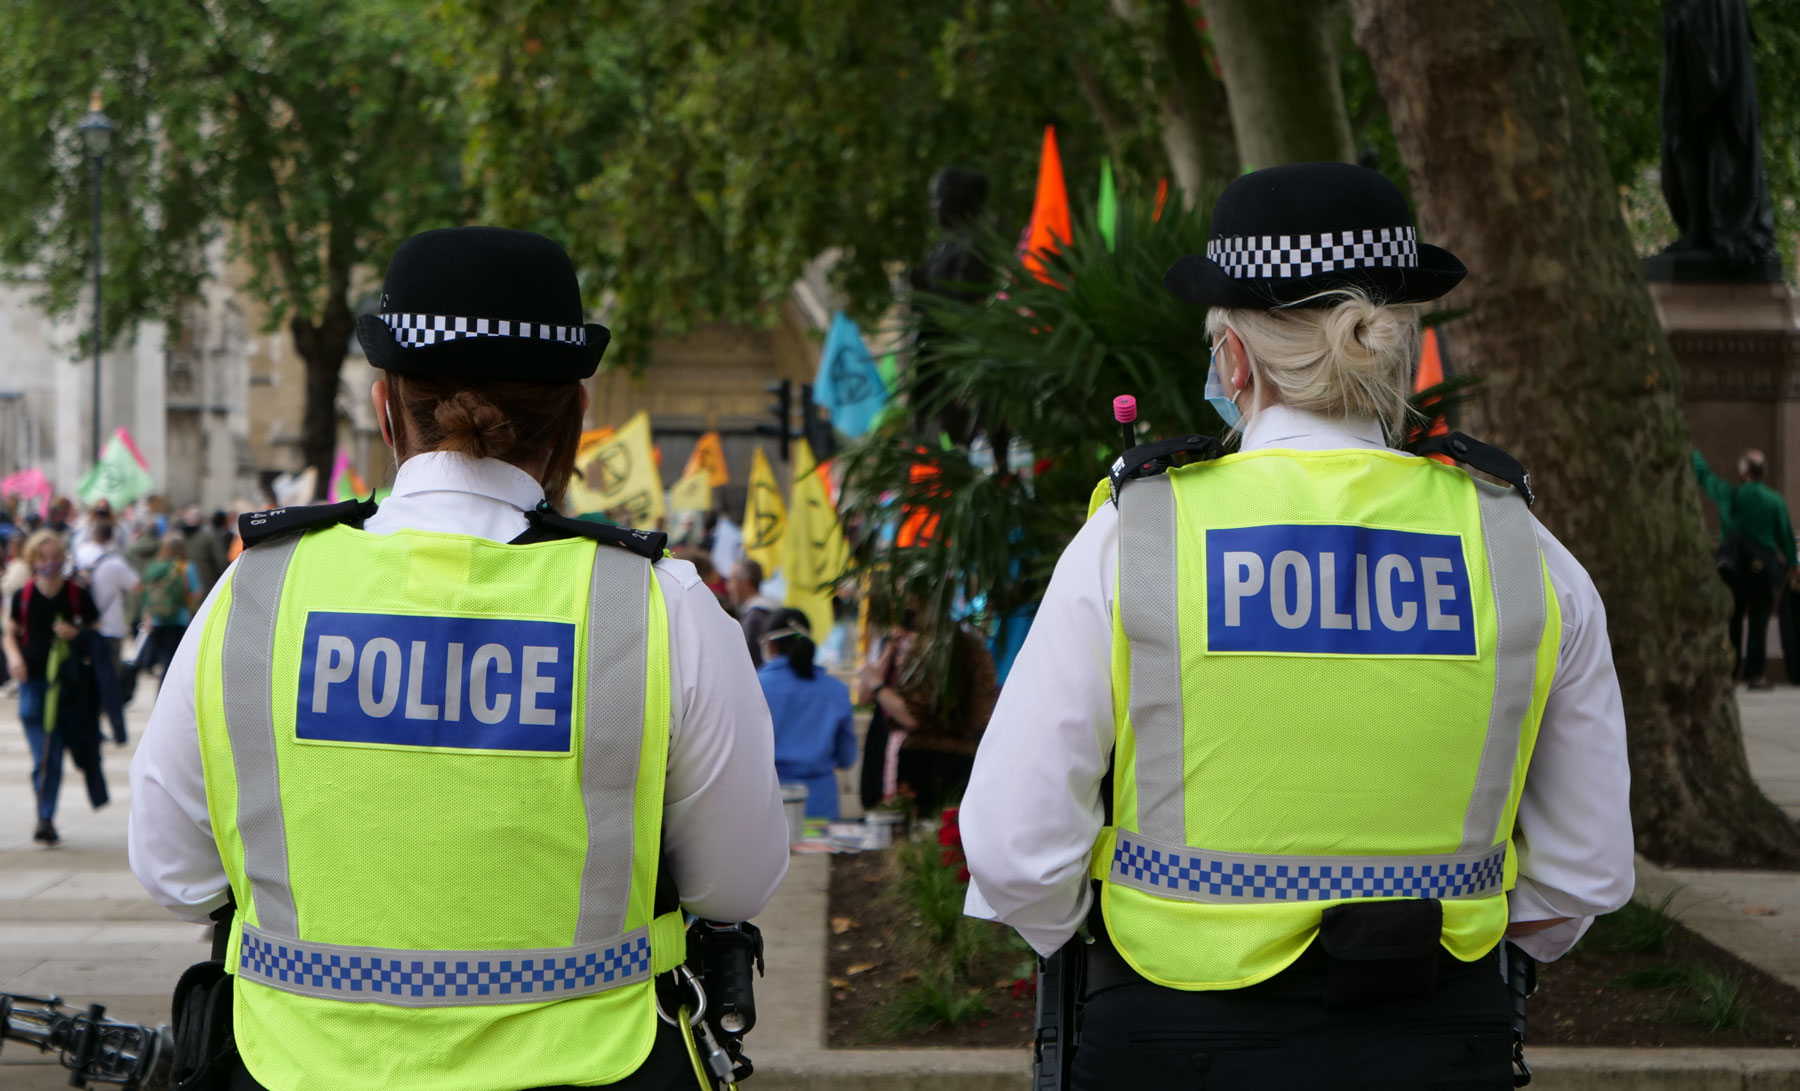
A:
<point x="308" y="133"/>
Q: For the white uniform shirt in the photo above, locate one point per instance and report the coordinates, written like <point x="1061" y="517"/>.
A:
<point x="1032" y="809"/>
<point x="724" y="833"/>
<point x="110" y="580"/>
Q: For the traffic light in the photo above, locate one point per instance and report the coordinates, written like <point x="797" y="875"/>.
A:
<point x="782" y="409"/>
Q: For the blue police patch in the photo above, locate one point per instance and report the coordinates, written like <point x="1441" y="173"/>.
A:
<point x="448" y="682"/>
<point x="1339" y="590"/>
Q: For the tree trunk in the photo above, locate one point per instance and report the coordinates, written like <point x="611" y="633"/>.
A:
<point x="322" y="345"/>
<point x="1281" y="79"/>
<point x="1505" y="160"/>
<point x="1195" y="119"/>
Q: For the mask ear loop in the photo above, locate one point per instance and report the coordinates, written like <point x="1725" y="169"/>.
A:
<point x="387" y="410"/>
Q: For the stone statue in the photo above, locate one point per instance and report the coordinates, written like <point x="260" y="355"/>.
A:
<point x="955" y="269"/>
<point x="1712" y="172"/>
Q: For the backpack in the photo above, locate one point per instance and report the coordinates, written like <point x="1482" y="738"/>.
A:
<point x="166" y="592"/>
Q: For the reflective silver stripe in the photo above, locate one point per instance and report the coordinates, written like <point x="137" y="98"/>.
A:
<point x="1516" y="575"/>
<point x="613" y="735"/>
<point x="1198" y="875"/>
<point x="431" y="979"/>
<point x="1148" y="611"/>
<point x="248" y="689"/>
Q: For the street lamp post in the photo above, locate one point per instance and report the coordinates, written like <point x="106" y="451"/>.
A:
<point x="96" y="132"/>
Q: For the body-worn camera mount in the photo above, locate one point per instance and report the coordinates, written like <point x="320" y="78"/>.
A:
<point x="717" y="991"/>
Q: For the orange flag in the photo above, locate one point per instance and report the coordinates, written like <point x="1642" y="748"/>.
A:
<point x="1049" y="228"/>
<point x="918" y="526"/>
<point x="1431" y="373"/>
<point x="709" y="455"/>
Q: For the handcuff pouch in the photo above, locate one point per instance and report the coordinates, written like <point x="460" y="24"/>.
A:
<point x="1379" y="951"/>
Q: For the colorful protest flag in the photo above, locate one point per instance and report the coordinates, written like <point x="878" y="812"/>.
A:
<point x="1109" y="205"/>
<point x="120" y="476"/>
<point x="709" y="455"/>
<point x="619" y="474"/>
<point x="918" y="526"/>
<point x="848" y="383"/>
<point x="346" y="483"/>
<point x="692" y="493"/>
<point x="28" y="485"/>
<point x="1049" y="228"/>
<point x="1430" y="374"/>
<point x="1162" y="199"/>
<point x="765" y="516"/>
<point x="814" y="553"/>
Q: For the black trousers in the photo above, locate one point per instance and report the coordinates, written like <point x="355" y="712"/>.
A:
<point x="668" y="1068"/>
<point x="1279" y="1035"/>
<point x="1752" y="600"/>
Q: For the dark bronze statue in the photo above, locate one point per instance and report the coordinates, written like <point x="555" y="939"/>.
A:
<point x="1712" y="172"/>
<point x="955" y="269"/>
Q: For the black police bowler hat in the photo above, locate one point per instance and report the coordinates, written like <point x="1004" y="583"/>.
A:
<point x="1282" y="234"/>
<point x="482" y="304"/>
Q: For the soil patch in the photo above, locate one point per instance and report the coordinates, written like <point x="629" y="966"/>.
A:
<point x="1581" y="1002"/>
<point x="876" y="957"/>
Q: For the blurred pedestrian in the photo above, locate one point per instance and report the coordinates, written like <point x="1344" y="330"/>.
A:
<point x="205" y="549"/>
<point x="170" y="592"/>
<point x="815" y="727"/>
<point x="936" y="707"/>
<point x="47" y="611"/>
<point x="113" y="584"/>
<point x="754" y="609"/>
<point x="1756" y="556"/>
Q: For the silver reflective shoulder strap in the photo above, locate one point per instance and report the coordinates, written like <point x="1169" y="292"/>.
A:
<point x="248" y="690"/>
<point x="613" y="735"/>
<point x="1148" y="604"/>
<point x="1516" y="576"/>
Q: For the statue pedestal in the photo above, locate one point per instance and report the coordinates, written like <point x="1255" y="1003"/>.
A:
<point x="1738" y="345"/>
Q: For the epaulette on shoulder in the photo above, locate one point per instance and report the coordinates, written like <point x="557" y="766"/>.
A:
<point x="1150" y="459"/>
<point x="1488" y="459"/>
<point x="260" y="526"/>
<point x="548" y="525"/>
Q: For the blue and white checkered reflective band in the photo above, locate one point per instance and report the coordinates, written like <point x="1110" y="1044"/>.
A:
<point x="426" y="979"/>
<point x="1196" y="875"/>
<point x="419" y="330"/>
<point x="1272" y="257"/>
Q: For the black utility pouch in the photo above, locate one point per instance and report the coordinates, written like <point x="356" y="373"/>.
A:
<point x="205" y="1052"/>
<point x="1380" y="951"/>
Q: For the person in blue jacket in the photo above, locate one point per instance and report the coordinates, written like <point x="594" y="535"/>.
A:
<point x="815" y="730"/>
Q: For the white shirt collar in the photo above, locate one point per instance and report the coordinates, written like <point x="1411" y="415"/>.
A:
<point x="1280" y="426"/>
<point x="448" y="471"/>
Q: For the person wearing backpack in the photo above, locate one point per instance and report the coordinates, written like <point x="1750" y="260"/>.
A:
<point x="171" y="591"/>
<point x="47" y="611"/>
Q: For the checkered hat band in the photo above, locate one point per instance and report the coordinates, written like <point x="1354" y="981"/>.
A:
<point x="1281" y="257"/>
<point x="419" y="330"/>
<point x="1198" y="875"/>
<point x="428" y="979"/>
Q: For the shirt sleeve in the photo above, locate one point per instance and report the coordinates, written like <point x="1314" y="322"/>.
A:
<point x="844" y="743"/>
<point x="169" y="839"/>
<point x="1573" y="834"/>
<point x="1714" y="486"/>
<point x="724" y="832"/>
<point x="1786" y="524"/>
<point x="1033" y="808"/>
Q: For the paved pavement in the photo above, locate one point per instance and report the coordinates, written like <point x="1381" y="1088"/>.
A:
<point x="74" y="921"/>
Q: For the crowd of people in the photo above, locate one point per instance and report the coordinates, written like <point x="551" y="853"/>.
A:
<point x="94" y="600"/>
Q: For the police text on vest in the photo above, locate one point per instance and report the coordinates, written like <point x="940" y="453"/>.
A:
<point x="1337" y="590"/>
<point x="446" y="682"/>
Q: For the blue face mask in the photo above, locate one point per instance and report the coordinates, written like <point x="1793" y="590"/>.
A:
<point x="1216" y="396"/>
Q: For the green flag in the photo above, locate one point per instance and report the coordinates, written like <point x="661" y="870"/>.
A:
<point x="1109" y="205"/>
<point x="118" y="477"/>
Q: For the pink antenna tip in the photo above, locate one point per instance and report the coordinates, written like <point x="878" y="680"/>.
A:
<point x="1124" y="409"/>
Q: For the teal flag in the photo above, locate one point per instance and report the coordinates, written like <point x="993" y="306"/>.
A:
<point x="118" y="477"/>
<point x="849" y="384"/>
<point x="1109" y="205"/>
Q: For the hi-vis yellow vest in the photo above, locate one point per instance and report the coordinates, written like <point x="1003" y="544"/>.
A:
<point x="1328" y="673"/>
<point x="434" y="765"/>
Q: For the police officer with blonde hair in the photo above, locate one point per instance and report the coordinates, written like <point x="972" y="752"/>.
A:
<point x="1309" y="732"/>
<point x="460" y="762"/>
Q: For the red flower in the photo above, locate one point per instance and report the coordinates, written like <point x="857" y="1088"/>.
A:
<point x="1024" y="985"/>
<point x="962" y="874"/>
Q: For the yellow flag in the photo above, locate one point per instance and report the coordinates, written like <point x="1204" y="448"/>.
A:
<point x="692" y="493"/>
<point x="620" y="473"/>
<point x="765" y="517"/>
<point x="709" y="455"/>
<point x="814" y="553"/>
